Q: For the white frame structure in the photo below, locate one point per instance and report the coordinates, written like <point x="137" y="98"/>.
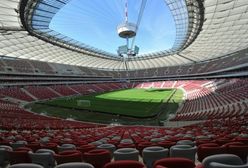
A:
<point x="205" y="30"/>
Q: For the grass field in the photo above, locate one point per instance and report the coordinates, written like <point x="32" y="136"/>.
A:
<point x="131" y="102"/>
<point x="112" y="105"/>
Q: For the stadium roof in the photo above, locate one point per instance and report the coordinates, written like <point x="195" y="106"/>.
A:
<point x="209" y="30"/>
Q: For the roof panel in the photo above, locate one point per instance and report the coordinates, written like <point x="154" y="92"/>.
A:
<point x="225" y="30"/>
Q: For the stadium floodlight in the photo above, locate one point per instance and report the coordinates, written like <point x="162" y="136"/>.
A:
<point x="136" y="49"/>
<point x="122" y="50"/>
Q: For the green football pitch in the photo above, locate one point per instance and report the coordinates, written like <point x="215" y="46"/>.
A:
<point x="138" y="103"/>
<point x="131" y="102"/>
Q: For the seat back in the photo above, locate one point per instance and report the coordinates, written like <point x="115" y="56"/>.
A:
<point x="45" y="151"/>
<point x="34" y="146"/>
<point x="4" y="154"/>
<point x="124" y="164"/>
<point x="205" y="151"/>
<point x="51" y="146"/>
<point x="96" y="143"/>
<point x="16" y="157"/>
<point x="126" y="154"/>
<point x="175" y="163"/>
<point x="86" y="148"/>
<point x="151" y="154"/>
<point x="110" y="147"/>
<point x="66" y="158"/>
<point x="186" y="142"/>
<point x="222" y="158"/>
<point x="75" y="165"/>
<point x="97" y="157"/>
<point x="25" y="165"/>
<point x="166" y="144"/>
<point x="17" y="145"/>
<point x="44" y="159"/>
<point x="185" y="151"/>
<point x="221" y="165"/>
<point x="239" y="150"/>
<point x="66" y="147"/>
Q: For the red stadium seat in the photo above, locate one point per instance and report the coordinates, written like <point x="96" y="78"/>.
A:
<point x="86" y="148"/>
<point x="97" y="157"/>
<point x="205" y="150"/>
<point x="123" y="145"/>
<point x="68" y="156"/>
<point x="239" y="150"/>
<point x="166" y="144"/>
<point x="51" y="146"/>
<point x="33" y="146"/>
<point x="143" y="145"/>
<point x="125" y="164"/>
<point x="16" y="157"/>
<point x="174" y="163"/>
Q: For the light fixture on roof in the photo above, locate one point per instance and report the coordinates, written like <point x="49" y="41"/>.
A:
<point x="127" y="30"/>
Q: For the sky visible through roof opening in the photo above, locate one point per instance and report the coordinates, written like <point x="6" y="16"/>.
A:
<point x="94" y="22"/>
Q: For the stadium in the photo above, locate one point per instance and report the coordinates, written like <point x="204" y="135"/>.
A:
<point x="123" y="84"/>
